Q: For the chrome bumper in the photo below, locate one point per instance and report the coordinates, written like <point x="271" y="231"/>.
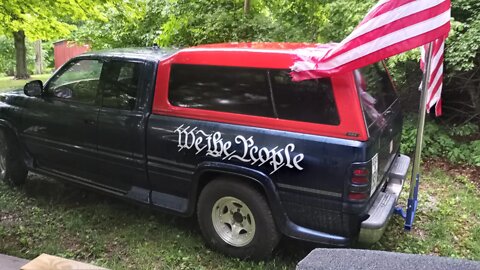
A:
<point x="371" y="230"/>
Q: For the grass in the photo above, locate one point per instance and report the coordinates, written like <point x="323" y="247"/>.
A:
<point x="448" y="221"/>
<point x="8" y="83"/>
<point x="46" y="216"/>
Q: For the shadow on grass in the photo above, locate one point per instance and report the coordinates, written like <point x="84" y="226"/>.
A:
<point x="108" y="215"/>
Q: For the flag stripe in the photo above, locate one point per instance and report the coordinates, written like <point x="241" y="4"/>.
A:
<point x="383" y="7"/>
<point x="360" y="62"/>
<point x="395" y="26"/>
<point x="417" y="30"/>
<point x="436" y="76"/>
<point x="404" y="23"/>
<point x="396" y="14"/>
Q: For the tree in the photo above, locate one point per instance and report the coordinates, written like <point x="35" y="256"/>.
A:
<point x="462" y="59"/>
<point x="46" y="19"/>
<point x="7" y="56"/>
<point x="246" y="7"/>
<point x="178" y="23"/>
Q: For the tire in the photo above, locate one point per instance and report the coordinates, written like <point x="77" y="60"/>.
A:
<point x="236" y="220"/>
<point x="12" y="168"/>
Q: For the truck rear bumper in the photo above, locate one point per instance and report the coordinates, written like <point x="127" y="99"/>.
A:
<point x="371" y="230"/>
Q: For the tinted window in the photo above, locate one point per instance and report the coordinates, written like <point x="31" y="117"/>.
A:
<point x="234" y="90"/>
<point x="375" y="89"/>
<point x="119" y="84"/>
<point x="79" y="81"/>
<point x="308" y="101"/>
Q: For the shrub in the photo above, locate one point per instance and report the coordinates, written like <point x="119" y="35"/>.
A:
<point x="456" y="143"/>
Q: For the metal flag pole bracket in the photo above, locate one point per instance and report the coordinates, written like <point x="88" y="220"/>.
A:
<point x="409" y="216"/>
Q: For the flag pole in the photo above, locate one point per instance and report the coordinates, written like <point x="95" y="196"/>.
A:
<point x="415" y="179"/>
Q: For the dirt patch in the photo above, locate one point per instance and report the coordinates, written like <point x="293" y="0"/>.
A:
<point x="469" y="171"/>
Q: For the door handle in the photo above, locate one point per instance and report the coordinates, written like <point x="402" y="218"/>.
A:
<point x="89" y="122"/>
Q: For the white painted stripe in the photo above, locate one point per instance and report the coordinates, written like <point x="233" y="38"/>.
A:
<point x="311" y="190"/>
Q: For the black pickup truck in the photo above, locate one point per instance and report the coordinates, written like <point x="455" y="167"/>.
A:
<point x="219" y="131"/>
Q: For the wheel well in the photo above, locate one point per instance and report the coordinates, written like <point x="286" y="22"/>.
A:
<point x="12" y="136"/>
<point x="209" y="176"/>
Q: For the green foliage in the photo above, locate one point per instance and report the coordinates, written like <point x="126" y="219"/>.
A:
<point x="452" y="143"/>
<point x="7" y="56"/>
<point x="176" y="23"/>
<point x="464" y="41"/>
<point x="47" y="18"/>
<point x="126" y="26"/>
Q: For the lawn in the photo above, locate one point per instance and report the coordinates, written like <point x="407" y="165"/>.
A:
<point x="59" y="219"/>
<point x="8" y="83"/>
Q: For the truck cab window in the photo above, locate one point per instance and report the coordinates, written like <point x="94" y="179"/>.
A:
<point x="78" y="82"/>
<point x="119" y="83"/>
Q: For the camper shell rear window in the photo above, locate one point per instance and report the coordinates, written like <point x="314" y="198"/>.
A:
<point x="376" y="90"/>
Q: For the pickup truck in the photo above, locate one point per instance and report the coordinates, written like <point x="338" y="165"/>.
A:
<point x="221" y="132"/>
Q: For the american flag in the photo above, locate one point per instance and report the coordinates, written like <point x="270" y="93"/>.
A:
<point x="389" y="28"/>
<point x="435" y="84"/>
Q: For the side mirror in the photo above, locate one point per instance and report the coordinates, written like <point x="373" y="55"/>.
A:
<point x="33" y="88"/>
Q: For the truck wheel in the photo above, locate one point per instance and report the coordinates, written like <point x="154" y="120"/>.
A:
<point x="12" y="168"/>
<point x="235" y="219"/>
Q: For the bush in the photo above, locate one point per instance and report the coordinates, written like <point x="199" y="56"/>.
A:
<point x="458" y="144"/>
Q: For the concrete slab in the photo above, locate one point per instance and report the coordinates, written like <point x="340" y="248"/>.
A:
<point x="11" y="263"/>
<point x="357" y="259"/>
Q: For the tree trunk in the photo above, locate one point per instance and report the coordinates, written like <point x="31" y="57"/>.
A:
<point x="38" y="57"/>
<point x="246" y="7"/>
<point x="20" y="55"/>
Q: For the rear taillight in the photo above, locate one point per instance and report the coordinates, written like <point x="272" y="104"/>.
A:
<point x="360" y="180"/>
<point x="357" y="196"/>
<point x="360" y="176"/>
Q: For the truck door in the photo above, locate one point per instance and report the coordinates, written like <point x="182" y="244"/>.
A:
<point x="121" y="139"/>
<point x="60" y="127"/>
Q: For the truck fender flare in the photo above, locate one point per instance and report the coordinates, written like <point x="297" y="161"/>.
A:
<point x="251" y="176"/>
